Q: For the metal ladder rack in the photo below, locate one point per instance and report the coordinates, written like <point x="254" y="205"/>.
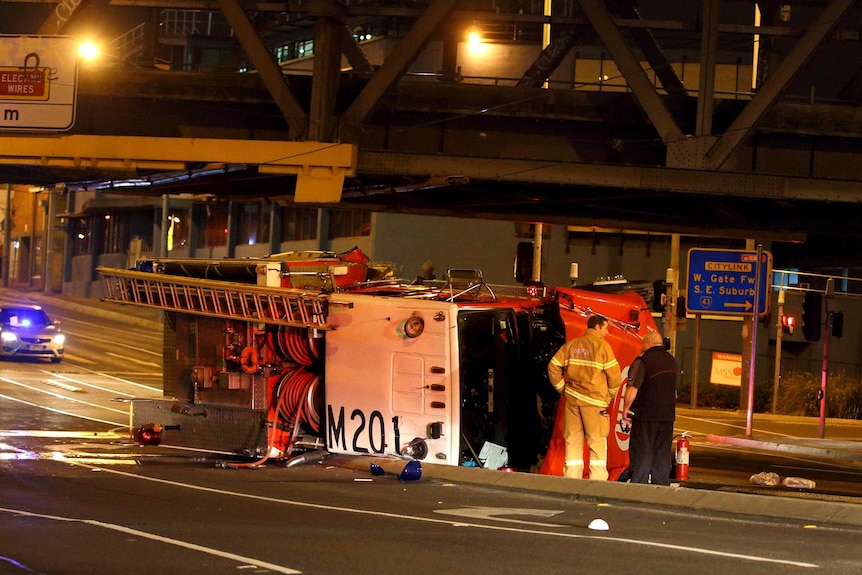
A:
<point x="228" y="300"/>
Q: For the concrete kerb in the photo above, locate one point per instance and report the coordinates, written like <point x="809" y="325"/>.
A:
<point x="827" y="449"/>
<point x="812" y="512"/>
<point x="740" y="504"/>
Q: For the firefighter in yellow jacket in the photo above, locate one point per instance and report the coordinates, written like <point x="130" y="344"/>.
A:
<point x="587" y="373"/>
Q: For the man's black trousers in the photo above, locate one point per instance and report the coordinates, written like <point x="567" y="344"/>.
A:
<point x="650" y="451"/>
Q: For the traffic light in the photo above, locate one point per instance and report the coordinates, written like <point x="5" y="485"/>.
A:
<point x="788" y="322"/>
<point x="524" y="262"/>
<point x="812" y="316"/>
<point x="659" y="295"/>
<point x="838" y="324"/>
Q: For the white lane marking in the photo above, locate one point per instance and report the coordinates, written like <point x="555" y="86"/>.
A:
<point x="386" y="514"/>
<point x="494" y="512"/>
<point x="157" y="374"/>
<point x="63" y="434"/>
<point x="115" y="343"/>
<point x="17" y="454"/>
<point x="122" y="327"/>
<point x="63" y="397"/>
<point x="78" y="358"/>
<point x="771" y="455"/>
<point x="88" y="384"/>
<point x="114" y="377"/>
<point x="728" y="424"/>
<point x="132" y="359"/>
<point x="64" y="386"/>
<point x="154" y="537"/>
<point x="61" y="412"/>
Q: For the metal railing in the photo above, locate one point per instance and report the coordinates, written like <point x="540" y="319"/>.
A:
<point x="797" y="281"/>
<point x="128" y="43"/>
<point x="193" y="23"/>
<point x="175" y="23"/>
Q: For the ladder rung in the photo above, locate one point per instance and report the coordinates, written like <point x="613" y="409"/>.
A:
<point x="281" y="306"/>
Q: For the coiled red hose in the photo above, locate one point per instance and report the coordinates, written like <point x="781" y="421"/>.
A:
<point x="293" y="403"/>
<point x="297" y="399"/>
<point x="294" y="344"/>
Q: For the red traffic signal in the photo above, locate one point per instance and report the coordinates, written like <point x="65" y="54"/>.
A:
<point x="788" y="322"/>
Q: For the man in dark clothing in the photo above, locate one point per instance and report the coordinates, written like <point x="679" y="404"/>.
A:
<point x="650" y="407"/>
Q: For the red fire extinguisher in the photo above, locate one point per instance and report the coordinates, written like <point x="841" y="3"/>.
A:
<point x="682" y="455"/>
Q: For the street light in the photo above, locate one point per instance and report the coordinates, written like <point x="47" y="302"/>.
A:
<point x="475" y="44"/>
<point x="88" y="51"/>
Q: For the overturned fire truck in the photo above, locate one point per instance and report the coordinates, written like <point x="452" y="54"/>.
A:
<point x="303" y="353"/>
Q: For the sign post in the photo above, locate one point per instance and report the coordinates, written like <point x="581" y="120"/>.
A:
<point x="726" y="282"/>
<point x="758" y="303"/>
<point x="38" y="83"/>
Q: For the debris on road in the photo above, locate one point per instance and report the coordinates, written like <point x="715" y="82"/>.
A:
<point x="798" y="483"/>
<point x="767" y="478"/>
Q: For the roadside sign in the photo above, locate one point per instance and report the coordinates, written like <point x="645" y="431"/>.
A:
<point x="38" y="82"/>
<point x="726" y="369"/>
<point x="724" y="281"/>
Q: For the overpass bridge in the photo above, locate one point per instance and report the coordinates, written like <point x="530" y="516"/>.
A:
<point x="726" y="118"/>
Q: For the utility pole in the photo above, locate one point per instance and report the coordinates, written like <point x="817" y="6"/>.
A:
<point x="7" y="236"/>
<point x="672" y="294"/>
<point x="821" y="394"/>
<point x="48" y="234"/>
<point x="778" y="337"/>
<point x="537" y="253"/>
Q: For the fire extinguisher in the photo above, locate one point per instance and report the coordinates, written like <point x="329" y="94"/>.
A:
<point x="682" y="455"/>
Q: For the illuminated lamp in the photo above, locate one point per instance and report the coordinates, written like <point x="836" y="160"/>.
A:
<point x="150" y="434"/>
<point x="474" y="43"/>
<point x="88" y="51"/>
<point x="788" y="322"/>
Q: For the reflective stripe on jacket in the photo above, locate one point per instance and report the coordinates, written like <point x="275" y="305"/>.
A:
<point x="586" y="370"/>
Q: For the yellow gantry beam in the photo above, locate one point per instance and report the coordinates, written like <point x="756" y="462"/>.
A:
<point x="82" y="151"/>
<point x="320" y="167"/>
